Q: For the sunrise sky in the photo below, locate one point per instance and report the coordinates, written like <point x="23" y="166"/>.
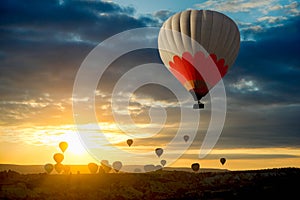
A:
<point x="43" y="44"/>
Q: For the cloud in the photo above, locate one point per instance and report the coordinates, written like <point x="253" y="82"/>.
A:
<point x="163" y="14"/>
<point x="272" y="19"/>
<point x="235" y="5"/>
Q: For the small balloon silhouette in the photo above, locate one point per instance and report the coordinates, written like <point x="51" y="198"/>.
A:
<point x="159" y="151"/>
<point x="59" y="167"/>
<point x="186" y="138"/>
<point x="106" y="166"/>
<point x="48" y="167"/>
<point x="63" y="146"/>
<point x="163" y="162"/>
<point x="117" y="166"/>
<point x="93" y="167"/>
<point x="129" y="142"/>
<point x="195" y="167"/>
<point x="58" y="157"/>
<point x="222" y="160"/>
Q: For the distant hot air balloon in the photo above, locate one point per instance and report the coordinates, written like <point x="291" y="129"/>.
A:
<point x="222" y="160"/>
<point x="58" y="157"/>
<point x="149" y="168"/>
<point x="106" y="166"/>
<point x="48" y="167"/>
<point x="63" y="146"/>
<point x="186" y="138"/>
<point x="158" y="168"/>
<point x="67" y="169"/>
<point x="137" y="170"/>
<point x="101" y="170"/>
<point x="59" y="167"/>
<point x="163" y="162"/>
<point x="159" y="151"/>
<point x="195" y="167"/>
<point x="93" y="167"/>
<point x="199" y="67"/>
<point x="129" y="142"/>
<point x="117" y="166"/>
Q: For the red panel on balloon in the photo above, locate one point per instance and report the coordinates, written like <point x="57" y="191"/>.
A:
<point x="191" y="69"/>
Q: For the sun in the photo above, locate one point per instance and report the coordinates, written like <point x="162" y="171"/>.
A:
<point x="74" y="145"/>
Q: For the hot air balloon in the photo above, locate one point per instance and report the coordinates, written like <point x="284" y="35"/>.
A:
<point x="101" y="170"/>
<point x="158" y="168"/>
<point x="67" y="169"/>
<point x="63" y="146"/>
<point x="163" y="162"/>
<point x="59" y="167"/>
<point x="129" y="142"/>
<point x="117" y="166"/>
<point x="137" y="170"/>
<point x="58" y="157"/>
<point x="222" y="160"/>
<point x="195" y="167"/>
<point x="106" y="166"/>
<point x="186" y="138"/>
<point x="48" y="167"/>
<point x="198" y="47"/>
<point x="149" y="168"/>
<point x="93" y="167"/>
<point x="159" y="151"/>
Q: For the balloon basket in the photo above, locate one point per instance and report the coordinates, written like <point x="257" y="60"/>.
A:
<point x="198" y="106"/>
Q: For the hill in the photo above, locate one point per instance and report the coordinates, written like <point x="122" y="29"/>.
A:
<point x="253" y="184"/>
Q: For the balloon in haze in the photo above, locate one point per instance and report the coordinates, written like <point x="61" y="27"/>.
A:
<point x="58" y="157"/>
<point x="117" y="166"/>
<point x="67" y="169"/>
<point x="179" y="49"/>
<point x="63" y="146"/>
<point x="195" y="167"/>
<point x="48" y="167"/>
<point x="59" y="167"/>
<point x="222" y="160"/>
<point x="93" y="167"/>
<point x="129" y="142"/>
<point x="186" y="138"/>
<point x="159" y="151"/>
<point x="163" y="162"/>
<point x="105" y="166"/>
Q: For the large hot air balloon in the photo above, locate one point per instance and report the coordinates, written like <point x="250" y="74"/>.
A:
<point x="159" y="151"/>
<point x="222" y="161"/>
<point x="93" y="167"/>
<point x="195" y="167"/>
<point x="198" y="47"/>
<point x="58" y="157"/>
<point x="48" y="167"/>
<point x="59" y="167"/>
<point x="63" y="146"/>
<point x="117" y="165"/>
<point x="129" y="142"/>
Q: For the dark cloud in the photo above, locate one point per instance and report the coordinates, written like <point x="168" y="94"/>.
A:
<point x="272" y="62"/>
<point x="44" y="42"/>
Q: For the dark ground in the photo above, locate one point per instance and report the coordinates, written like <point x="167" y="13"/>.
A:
<point x="280" y="183"/>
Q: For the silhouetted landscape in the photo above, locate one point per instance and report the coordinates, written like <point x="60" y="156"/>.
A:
<point x="277" y="183"/>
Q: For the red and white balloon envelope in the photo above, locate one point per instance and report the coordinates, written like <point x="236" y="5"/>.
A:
<point x="198" y="47"/>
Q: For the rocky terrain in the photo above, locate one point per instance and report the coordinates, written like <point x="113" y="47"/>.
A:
<point x="253" y="184"/>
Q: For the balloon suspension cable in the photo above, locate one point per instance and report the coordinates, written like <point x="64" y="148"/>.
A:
<point x="198" y="105"/>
